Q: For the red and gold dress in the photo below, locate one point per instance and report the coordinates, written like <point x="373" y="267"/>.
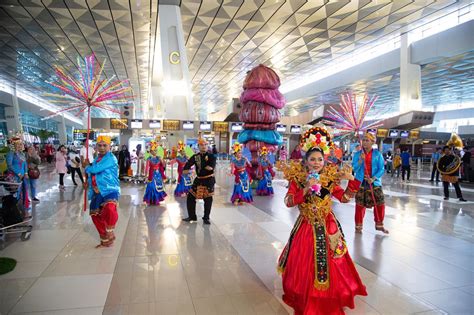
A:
<point x="318" y="274"/>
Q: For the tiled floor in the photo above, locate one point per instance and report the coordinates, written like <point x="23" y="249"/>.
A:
<point x="161" y="266"/>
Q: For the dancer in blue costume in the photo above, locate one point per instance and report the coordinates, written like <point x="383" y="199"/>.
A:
<point x="242" y="191"/>
<point x="155" y="192"/>
<point x="184" y="180"/>
<point x="265" y="174"/>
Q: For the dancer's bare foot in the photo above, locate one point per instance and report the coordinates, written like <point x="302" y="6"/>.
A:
<point x="382" y="229"/>
<point x="104" y="244"/>
<point x="358" y="229"/>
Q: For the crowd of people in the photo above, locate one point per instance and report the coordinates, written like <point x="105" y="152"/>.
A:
<point x="318" y="274"/>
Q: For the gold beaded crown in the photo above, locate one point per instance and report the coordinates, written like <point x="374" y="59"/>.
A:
<point x="237" y="147"/>
<point x="317" y="136"/>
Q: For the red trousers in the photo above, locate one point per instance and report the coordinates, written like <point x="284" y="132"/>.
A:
<point x="106" y="219"/>
<point x="379" y="214"/>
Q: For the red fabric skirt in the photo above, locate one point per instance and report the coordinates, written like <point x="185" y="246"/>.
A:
<point x="298" y="278"/>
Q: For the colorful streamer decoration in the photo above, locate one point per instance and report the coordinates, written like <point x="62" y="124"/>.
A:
<point x="350" y="118"/>
<point x="88" y="90"/>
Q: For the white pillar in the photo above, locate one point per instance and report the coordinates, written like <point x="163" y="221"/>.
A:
<point x="12" y="115"/>
<point x="171" y="84"/>
<point x="62" y="131"/>
<point x="410" y="79"/>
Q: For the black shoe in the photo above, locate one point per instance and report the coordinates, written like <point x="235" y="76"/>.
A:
<point x="190" y="220"/>
<point x="36" y="199"/>
<point x="206" y="221"/>
<point x="437" y="180"/>
<point x="431" y="180"/>
<point x="75" y="184"/>
<point x="462" y="199"/>
<point x="446" y="198"/>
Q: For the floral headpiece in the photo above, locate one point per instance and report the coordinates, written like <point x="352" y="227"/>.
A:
<point x="180" y="145"/>
<point x="316" y="137"/>
<point x="237" y="147"/>
<point x="104" y="138"/>
<point x="202" y="141"/>
<point x="17" y="137"/>
<point x="370" y="136"/>
<point x="263" y="151"/>
<point x="153" y="145"/>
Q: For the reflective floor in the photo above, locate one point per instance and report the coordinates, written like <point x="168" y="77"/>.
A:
<point x="161" y="266"/>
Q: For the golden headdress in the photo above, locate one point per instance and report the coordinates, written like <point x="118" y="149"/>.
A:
<point x="370" y="136"/>
<point x="104" y="138"/>
<point x="180" y="145"/>
<point x="237" y="147"/>
<point x="153" y="145"/>
<point x="317" y="136"/>
<point x="17" y="137"/>
<point x="263" y="151"/>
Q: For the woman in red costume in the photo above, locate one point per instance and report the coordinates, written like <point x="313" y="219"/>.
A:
<point x="318" y="274"/>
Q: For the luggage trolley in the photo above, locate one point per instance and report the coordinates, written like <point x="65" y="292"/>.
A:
<point x="8" y="199"/>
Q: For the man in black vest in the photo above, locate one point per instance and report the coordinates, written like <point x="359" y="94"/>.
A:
<point x="203" y="185"/>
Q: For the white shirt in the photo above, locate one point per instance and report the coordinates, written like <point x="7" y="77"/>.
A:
<point x="72" y="160"/>
<point x="91" y="153"/>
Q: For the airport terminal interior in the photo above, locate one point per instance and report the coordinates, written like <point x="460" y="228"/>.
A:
<point x="237" y="157"/>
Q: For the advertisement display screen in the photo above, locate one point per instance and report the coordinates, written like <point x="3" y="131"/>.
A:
<point x="220" y="126"/>
<point x="295" y="129"/>
<point x="372" y="131"/>
<point x="393" y="133"/>
<point x="188" y="124"/>
<point x="154" y="124"/>
<point x="281" y="128"/>
<point x="136" y="124"/>
<point x="118" y="123"/>
<point x="236" y="127"/>
<point x="382" y="133"/>
<point x="205" y="125"/>
<point x="404" y="134"/>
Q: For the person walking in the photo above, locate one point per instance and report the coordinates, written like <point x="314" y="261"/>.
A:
<point x="75" y="166"/>
<point x="397" y="162"/>
<point x="61" y="167"/>
<point x="33" y="161"/>
<point x="406" y="161"/>
<point x="435" y="158"/>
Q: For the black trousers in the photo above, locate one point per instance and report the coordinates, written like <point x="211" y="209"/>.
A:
<point x="456" y="187"/>
<point x="61" y="179"/>
<point x="435" y="170"/>
<point x="191" y="205"/>
<point x="73" y="175"/>
<point x="407" y="170"/>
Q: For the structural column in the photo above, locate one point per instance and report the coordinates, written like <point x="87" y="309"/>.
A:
<point x="12" y="115"/>
<point x="62" y="130"/>
<point x="171" y="87"/>
<point x="410" y="79"/>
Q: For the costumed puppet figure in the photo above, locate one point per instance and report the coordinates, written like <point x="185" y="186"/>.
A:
<point x="265" y="174"/>
<point x="242" y="191"/>
<point x="155" y="170"/>
<point x="319" y="276"/>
